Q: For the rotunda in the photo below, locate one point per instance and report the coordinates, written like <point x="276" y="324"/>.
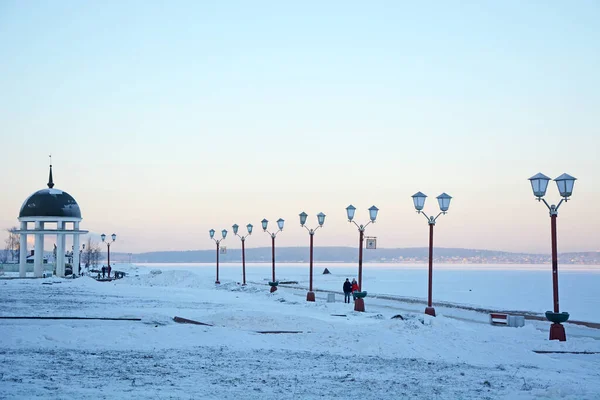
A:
<point x="44" y="209"/>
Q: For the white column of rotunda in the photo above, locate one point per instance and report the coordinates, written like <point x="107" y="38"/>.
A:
<point x="43" y="209"/>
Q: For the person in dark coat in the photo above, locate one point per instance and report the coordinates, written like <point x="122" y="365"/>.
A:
<point x="103" y="271"/>
<point x="347" y="291"/>
<point x="108" y="269"/>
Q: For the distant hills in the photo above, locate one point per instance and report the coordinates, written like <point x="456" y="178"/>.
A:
<point x="350" y="254"/>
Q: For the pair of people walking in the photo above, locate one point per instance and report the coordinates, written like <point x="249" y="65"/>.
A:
<point x="106" y="270"/>
<point x="349" y="288"/>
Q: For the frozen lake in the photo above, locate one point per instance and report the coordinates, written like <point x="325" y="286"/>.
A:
<point x="494" y="286"/>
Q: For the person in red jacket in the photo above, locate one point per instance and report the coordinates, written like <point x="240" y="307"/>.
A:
<point x="354" y="286"/>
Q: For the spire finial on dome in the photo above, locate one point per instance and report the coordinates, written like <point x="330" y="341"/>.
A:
<point x="50" y="182"/>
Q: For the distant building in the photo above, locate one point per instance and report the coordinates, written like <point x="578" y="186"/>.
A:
<point x="31" y="257"/>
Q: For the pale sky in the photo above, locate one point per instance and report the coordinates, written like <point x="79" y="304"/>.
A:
<point x="167" y="119"/>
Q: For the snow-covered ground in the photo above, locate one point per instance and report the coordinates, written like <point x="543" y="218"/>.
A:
<point x="338" y="354"/>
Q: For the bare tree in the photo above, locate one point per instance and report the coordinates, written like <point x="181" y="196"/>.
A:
<point x="96" y="256"/>
<point x="4" y="255"/>
<point x="92" y="253"/>
<point x="13" y="243"/>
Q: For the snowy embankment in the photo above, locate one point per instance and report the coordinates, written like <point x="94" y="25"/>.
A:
<point x="364" y="355"/>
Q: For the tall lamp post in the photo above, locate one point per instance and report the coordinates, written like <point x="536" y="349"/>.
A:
<point x="359" y="303"/>
<point x="310" y="296"/>
<point x="217" y="241"/>
<point x="444" y="203"/>
<point x="113" y="237"/>
<point x="264" y="223"/>
<point x="539" y="184"/>
<point x="235" y="232"/>
<point x="80" y="254"/>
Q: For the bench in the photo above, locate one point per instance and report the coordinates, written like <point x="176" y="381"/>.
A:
<point x="514" y="321"/>
<point x="498" y="319"/>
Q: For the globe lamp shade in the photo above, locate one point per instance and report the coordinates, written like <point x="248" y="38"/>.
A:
<point x="303" y="216"/>
<point x="444" y="201"/>
<point x="565" y="184"/>
<point x="373" y="213"/>
<point x="321" y="218"/>
<point x="350" y="210"/>
<point x="419" y="200"/>
<point x="539" y="184"/>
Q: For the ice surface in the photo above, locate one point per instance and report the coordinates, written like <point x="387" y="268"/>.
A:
<point x="456" y="355"/>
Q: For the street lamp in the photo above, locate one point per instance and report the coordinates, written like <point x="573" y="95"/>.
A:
<point x="359" y="303"/>
<point x="444" y="203"/>
<point x="235" y="232"/>
<point x="264" y="223"/>
<point x="539" y="184"/>
<point x="212" y="236"/>
<point x="310" y="296"/>
<point x="80" y="254"/>
<point x="113" y="237"/>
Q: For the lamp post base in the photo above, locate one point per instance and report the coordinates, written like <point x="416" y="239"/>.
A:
<point x="273" y="288"/>
<point x="359" y="304"/>
<point x="557" y="332"/>
<point x="430" y="311"/>
<point x="217" y="283"/>
<point x="310" y="296"/>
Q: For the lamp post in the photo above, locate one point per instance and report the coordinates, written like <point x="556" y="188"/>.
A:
<point x="310" y="296"/>
<point x="539" y="184"/>
<point x="217" y="241"/>
<point x="264" y="223"/>
<point x="359" y="303"/>
<point x="235" y="232"/>
<point x="80" y="254"/>
<point x="444" y="203"/>
<point x="113" y="237"/>
<point x="71" y="259"/>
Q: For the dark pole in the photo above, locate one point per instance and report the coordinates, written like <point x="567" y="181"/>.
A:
<point x="217" y="281"/>
<point x="360" y="257"/>
<point x="243" y="263"/>
<point x="429" y="310"/>
<point x="554" y="263"/>
<point x="430" y="263"/>
<point x="108" y="244"/>
<point x="273" y="254"/>
<point x="557" y="330"/>
<point x="359" y="302"/>
<point x="311" y="262"/>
